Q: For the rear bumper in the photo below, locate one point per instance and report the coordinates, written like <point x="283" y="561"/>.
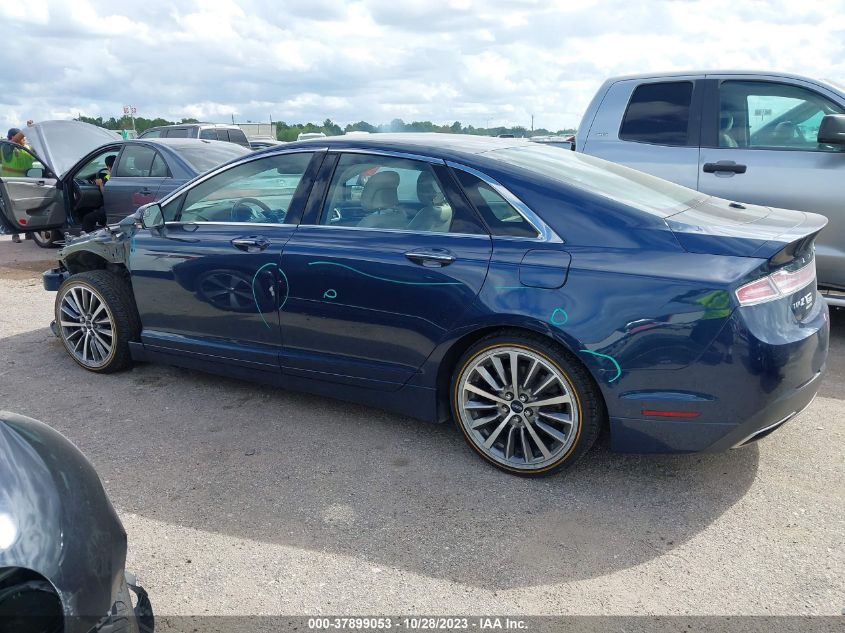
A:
<point x="755" y="378"/>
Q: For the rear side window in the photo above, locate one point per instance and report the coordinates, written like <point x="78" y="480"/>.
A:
<point x="658" y="113"/>
<point x="497" y="212"/>
<point x="178" y="132"/>
<point x="135" y="162"/>
<point x="237" y="136"/>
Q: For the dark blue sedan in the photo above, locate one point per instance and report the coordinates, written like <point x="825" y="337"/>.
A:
<point x="531" y="294"/>
<point x="69" y="156"/>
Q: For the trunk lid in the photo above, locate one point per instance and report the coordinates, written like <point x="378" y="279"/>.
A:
<point x="60" y="144"/>
<point x="720" y="227"/>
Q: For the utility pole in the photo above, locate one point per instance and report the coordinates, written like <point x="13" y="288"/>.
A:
<point x="532" y="124"/>
<point x="233" y="118"/>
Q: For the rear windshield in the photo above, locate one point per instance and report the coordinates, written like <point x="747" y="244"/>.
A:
<point x="622" y="184"/>
<point x="209" y="155"/>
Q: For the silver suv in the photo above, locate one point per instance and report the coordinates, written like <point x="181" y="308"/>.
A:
<point x="208" y="131"/>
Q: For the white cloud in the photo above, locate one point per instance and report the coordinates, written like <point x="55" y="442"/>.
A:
<point x="307" y="60"/>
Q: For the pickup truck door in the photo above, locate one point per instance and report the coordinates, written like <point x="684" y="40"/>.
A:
<point x="759" y="146"/>
<point x="652" y="125"/>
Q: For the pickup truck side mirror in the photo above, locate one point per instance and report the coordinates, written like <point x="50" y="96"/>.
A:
<point x="152" y="217"/>
<point x="832" y="130"/>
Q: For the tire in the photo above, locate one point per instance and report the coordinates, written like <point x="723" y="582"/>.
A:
<point x="46" y="239"/>
<point x="93" y="308"/>
<point x="500" y="423"/>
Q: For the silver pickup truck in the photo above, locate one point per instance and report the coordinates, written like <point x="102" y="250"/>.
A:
<point x="769" y="139"/>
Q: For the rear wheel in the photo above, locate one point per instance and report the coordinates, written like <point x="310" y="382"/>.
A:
<point x="524" y="404"/>
<point x="96" y="319"/>
<point x="46" y="239"/>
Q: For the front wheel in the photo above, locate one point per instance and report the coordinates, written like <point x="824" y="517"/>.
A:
<point x="524" y="404"/>
<point x="96" y="318"/>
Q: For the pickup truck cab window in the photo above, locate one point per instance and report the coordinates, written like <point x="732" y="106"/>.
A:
<point x="771" y="115"/>
<point x="658" y="113"/>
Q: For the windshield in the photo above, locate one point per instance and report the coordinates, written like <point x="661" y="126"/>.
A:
<point x="210" y="154"/>
<point x="622" y="184"/>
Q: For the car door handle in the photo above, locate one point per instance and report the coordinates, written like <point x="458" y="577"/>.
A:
<point x="724" y="166"/>
<point x="431" y="257"/>
<point x="251" y="244"/>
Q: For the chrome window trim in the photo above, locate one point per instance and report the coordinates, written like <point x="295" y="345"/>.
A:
<point x="390" y="153"/>
<point x="486" y="236"/>
<point x="545" y="233"/>
<point x="247" y="158"/>
<point x="215" y="223"/>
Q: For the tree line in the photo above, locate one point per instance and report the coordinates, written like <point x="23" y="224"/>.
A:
<point x="289" y="131"/>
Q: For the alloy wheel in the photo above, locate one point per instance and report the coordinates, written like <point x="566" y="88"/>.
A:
<point x="518" y="408"/>
<point x="87" y="326"/>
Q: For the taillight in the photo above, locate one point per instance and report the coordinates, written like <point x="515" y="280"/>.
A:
<point x="776" y="285"/>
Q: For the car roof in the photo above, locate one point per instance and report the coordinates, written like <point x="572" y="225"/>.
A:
<point x="688" y="73"/>
<point x="176" y="143"/>
<point x="434" y="144"/>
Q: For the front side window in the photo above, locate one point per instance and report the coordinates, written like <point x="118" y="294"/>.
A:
<point x="94" y="166"/>
<point x="136" y="161"/>
<point x="658" y="113"/>
<point x="259" y="191"/>
<point x="383" y="192"/>
<point x="17" y="161"/>
<point x="771" y="115"/>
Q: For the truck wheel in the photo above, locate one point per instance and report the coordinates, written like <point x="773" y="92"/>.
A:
<point x="96" y="318"/>
<point x="524" y="404"/>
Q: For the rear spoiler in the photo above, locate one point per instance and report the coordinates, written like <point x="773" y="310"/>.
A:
<point x="793" y="242"/>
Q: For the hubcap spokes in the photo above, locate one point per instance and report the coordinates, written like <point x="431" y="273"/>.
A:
<point x="87" y="326"/>
<point x="518" y="407"/>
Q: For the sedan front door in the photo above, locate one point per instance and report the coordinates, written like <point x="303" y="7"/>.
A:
<point x="31" y="197"/>
<point x="382" y="267"/>
<point x="208" y="284"/>
<point x="137" y="174"/>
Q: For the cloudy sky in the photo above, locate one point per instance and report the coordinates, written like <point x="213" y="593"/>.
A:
<point x="491" y="62"/>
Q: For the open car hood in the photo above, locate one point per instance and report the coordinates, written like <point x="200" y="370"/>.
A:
<point x="60" y="144"/>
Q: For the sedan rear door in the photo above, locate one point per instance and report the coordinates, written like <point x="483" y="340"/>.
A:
<point x="31" y="197"/>
<point x="386" y="261"/>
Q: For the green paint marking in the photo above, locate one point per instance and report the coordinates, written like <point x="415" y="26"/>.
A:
<point x="610" y="358"/>
<point x="557" y="319"/>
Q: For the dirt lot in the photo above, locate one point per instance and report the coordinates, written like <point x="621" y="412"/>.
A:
<point x="241" y="499"/>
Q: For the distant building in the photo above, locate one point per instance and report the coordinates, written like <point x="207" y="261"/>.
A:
<point x="258" y="129"/>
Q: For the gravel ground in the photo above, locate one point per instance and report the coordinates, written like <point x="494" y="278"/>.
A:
<point x="242" y="499"/>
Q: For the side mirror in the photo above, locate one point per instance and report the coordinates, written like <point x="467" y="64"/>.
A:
<point x="832" y="130"/>
<point x="152" y="217"/>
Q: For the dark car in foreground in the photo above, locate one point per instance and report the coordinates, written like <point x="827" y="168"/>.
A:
<point x="68" y="157"/>
<point x="62" y="546"/>
<point x="531" y="294"/>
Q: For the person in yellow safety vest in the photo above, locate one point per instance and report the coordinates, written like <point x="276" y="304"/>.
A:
<point x="98" y="216"/>
<point x="14" y="162"/>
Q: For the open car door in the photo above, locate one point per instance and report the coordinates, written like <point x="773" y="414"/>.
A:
<point x="31" y="196"/>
